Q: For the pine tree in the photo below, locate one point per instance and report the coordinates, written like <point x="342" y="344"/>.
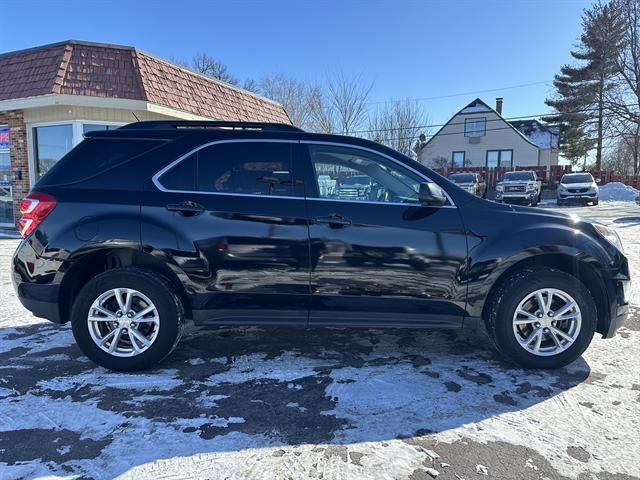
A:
<point x="580" y="97"/>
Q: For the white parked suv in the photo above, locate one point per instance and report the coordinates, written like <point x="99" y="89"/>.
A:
<point x="579" y="188"/>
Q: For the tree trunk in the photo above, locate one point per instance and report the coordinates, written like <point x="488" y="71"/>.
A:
<point x="600" y="124"/>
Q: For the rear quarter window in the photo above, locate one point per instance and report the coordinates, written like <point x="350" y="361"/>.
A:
<point x="94" y="156"/>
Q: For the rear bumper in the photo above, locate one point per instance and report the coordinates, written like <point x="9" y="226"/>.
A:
<point x="34" y="281"/>
<point x="41" y="308"/>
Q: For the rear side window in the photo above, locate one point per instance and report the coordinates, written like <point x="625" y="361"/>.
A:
<point x="182" y="176"/>
<point x="249" y="168"/>
<point x="255" y="168"/>
<point x="94" y="156"/>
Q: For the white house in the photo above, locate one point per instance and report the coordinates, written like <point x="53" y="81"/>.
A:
<point x="479" y="136"/>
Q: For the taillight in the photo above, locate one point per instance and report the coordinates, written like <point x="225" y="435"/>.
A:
<point x="33" y="210"/>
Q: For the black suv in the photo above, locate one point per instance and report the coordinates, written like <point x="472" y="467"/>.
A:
<point x="138" y="228"/>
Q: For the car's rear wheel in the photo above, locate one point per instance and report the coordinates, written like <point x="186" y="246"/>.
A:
<point x="541" y="318"/>
<point x="127" y="319"/>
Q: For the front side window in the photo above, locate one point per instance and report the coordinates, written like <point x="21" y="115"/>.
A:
<point x="344" y="173"/>
<point x="499" y="158"/>
<point x="457" y="159"/>
<point x="250" y="168"/>
<point x="475" y="127"/>
<point x="51" y="143"/>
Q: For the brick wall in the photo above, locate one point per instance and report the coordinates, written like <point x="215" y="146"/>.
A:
<point x="18" y="154"/>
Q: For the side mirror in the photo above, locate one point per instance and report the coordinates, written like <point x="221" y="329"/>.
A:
<point x="431" y="194"/>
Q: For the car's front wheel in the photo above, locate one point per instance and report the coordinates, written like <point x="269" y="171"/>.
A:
<point x="541" y="317"/>
<point x="127" y="319"/>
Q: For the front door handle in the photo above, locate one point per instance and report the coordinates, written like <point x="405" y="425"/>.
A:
<point x="186" y="208"/>
<point x="334" y="220"/>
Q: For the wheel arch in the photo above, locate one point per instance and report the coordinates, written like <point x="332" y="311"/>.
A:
<point x="82" y="269"/>
<point x="582" y="270"/>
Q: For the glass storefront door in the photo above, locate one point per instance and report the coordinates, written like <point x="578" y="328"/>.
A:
<point x="6" y="201"/>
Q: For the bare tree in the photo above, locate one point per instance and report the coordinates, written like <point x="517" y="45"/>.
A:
<point x="340" y="105"/>
<point x="624" y="155"/>
<point x="209" y="66"/>
<point x="624" y="101"/>
<point x="251" y="85"/>
<point x="321" y="114"/>
<point x="292" y="94"/>
<point x="398" y="124"/>
<point x="439" y="162"/>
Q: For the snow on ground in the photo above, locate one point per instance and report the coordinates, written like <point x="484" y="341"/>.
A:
<point x="618" y="192"/>
<point x="283" y="402"/>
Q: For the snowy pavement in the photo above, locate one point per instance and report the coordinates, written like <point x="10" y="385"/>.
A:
<point x="270" y="403"/>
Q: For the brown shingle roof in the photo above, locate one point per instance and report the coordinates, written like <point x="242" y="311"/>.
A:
<point x="34" y="72"/>
<point x="99" y="70"/>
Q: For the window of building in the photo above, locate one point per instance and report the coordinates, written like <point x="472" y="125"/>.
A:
<point x="499" y="158"/>
<point x="51" y="143"/>
<point x="344" y="173"/>
<point x="457" y="159"/>
<point x="252" y="168"/>
<point x="92" y="127"/>
<point x="475" y="127"/>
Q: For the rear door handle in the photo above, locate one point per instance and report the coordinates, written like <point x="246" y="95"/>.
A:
<point x="334" y="220"/>
<point x="187" y="208"/>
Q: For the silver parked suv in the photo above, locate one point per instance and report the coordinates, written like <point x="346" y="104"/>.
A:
<point x="578" y="187"/>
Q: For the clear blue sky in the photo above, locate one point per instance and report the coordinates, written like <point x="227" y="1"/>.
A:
<point x="407" y="49"/>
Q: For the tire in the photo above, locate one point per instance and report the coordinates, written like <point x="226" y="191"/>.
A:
<point x="534" y="202"/>
<point x="499" y="318"/>
<point x="560" y="203"/>
<point x="154" y="291"/>
<point x="595" y="202"/>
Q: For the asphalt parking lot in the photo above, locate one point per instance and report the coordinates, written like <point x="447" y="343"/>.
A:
<point x="320" y="403"/>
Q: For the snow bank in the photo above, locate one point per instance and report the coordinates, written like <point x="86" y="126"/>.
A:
<point x="619" y="192"/>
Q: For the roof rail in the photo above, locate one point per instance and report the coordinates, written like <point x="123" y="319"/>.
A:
<point x="195" y="124"/>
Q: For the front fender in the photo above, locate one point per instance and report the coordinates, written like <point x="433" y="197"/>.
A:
<point x="494" y="248"/>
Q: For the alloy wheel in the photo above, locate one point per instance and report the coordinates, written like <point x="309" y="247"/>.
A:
<point x="547" y="322"/>
<point x="123" y="322"/>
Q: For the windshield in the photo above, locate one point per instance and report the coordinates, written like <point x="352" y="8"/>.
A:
<point x="357" y="180"/>
<point x="582" y="178"/>
<point x="518" y="176"/>
<point x="462" y="178"/>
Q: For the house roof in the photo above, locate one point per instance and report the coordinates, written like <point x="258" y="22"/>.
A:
<point x="478" y="106"/>
<point x="543" y="135"/>
<point x="115" y="71"/>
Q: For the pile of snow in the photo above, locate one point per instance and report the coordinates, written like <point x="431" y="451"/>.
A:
<point x="618" y="192"/>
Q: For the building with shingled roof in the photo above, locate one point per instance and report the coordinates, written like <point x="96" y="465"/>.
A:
<point x="51" y="95"/>
<point x="479" y="136"/>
